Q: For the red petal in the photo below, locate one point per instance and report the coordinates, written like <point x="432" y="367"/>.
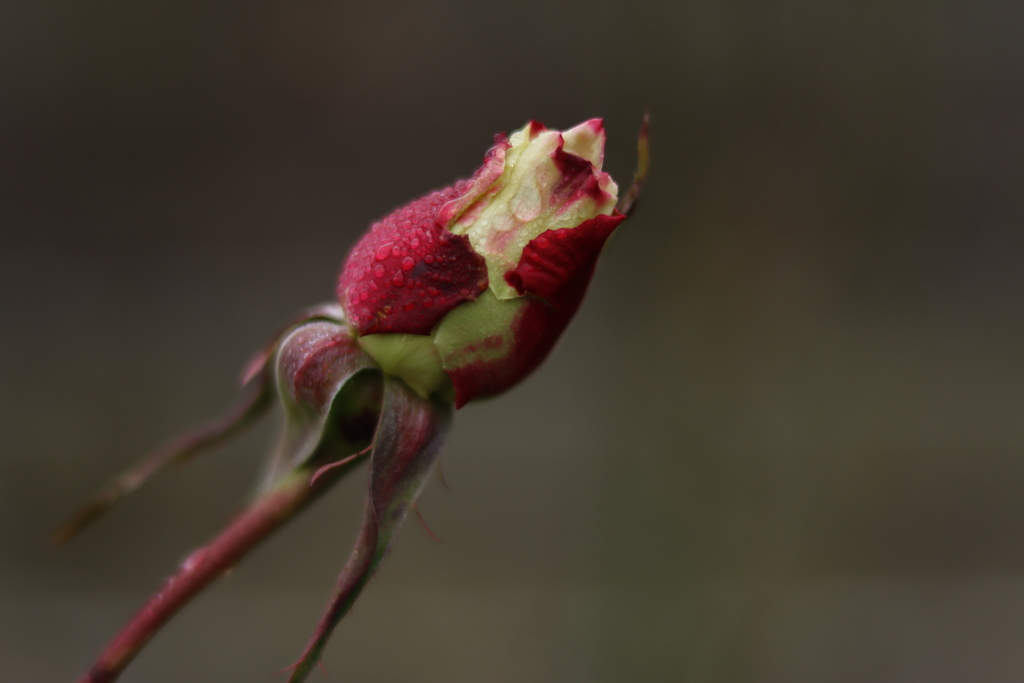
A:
<point x="535" y="329"/>
<point x="577" y="180"/>
<point x="554" y="270"/>
<point x="557" y="265"/>
<point x="481" y="183"/>
<point x="407" y="271"/>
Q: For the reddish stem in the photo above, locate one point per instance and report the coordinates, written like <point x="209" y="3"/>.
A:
<point x="206" y="564"/>
<point x="354" y="575"/>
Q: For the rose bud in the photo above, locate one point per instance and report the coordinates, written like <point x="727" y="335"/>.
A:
<point x="457" y="296"/>
<point x="463" y="292"/>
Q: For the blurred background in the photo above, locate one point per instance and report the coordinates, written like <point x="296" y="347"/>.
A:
<point x="782" y="441"/>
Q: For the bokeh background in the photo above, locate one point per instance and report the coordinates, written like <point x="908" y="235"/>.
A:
<point x="783" y="440"/>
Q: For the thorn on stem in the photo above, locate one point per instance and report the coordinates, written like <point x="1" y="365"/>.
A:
<point x="440" y="475"/>
<point x="423" y="523"/>
<point x="285" y="669"/>
<point x="290" y="667"/>
<point x="344" y="461"/>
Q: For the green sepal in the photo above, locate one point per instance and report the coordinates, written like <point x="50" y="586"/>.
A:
<point x="407" y="442"/>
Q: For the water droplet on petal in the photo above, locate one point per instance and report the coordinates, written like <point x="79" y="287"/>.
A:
<point x="408" y="262"/>
<point x="398" y="280"/>
<point x="383" y="251"/>
<point x="429" y="258"/>
<point x="378" y="270"/>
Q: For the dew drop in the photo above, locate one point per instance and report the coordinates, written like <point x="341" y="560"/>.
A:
<point x="429" y="258"/>
<point x="408" y="307"/>
<point x="193" y="561"/>
<point x="408" y="262"/>
<point x="395" y="251"/>
<point x="398" y="280"/>
<point x="415" y="243"/>
<point x="383" y="251"/>
<point x="428" y="302"/>
<point x="378" y="270"/>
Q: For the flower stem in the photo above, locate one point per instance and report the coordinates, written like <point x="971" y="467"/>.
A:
<point x="356" y="572"/>
<point x="258" y="521"/>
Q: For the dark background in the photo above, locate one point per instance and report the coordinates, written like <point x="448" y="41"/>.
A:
<point x="781" y="442"/>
